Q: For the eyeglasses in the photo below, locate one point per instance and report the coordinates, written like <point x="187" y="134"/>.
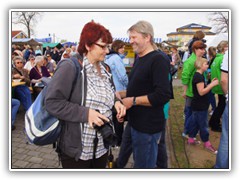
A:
<point x="104" y="47"/>
<point x="19" y="62"/>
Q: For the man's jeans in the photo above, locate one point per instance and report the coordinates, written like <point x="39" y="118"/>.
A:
<point x="24" y="95"/>
<point x="162" y="159"/>
<point x="145" y="149"/>
<point x="15" y="106"/>
<point x="222" y="160"/>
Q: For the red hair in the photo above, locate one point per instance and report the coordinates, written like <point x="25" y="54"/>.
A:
<point x="198" y="45"/>
<point x="91" y="33"/>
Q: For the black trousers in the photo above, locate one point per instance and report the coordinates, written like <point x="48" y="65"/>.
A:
<point x="125" y="149"/>
<point x="118" y="129"/>
<point x="71" y="163"/>
<point x="162" y="158"/>
<point x="214" y="121"/>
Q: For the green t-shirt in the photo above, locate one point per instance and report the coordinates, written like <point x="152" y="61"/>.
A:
<point x="188" y="72"/>
<point x="216" y="73"/>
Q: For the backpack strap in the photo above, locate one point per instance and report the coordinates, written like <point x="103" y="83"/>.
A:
<point x="78" y="68"/>
<point x="95" y="143"/>
<point x="107" y="68"/>
<point x="105" y="65"/>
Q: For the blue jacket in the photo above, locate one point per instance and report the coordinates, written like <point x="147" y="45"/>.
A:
<point x="120" y="78"/>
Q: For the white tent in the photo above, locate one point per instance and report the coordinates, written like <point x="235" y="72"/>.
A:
<point x="215" y="40"/>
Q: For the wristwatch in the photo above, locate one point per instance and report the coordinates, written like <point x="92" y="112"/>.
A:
<point x="134" y="101"/>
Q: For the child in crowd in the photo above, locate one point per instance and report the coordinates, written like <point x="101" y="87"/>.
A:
<point x="200" y="104"/>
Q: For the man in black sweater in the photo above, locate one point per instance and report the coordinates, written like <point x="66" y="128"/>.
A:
<point x="147" y="92"/>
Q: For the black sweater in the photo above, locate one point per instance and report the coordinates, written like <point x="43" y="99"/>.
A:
<point x="149" y="76"/>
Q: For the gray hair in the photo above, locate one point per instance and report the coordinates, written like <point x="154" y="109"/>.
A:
<point x="144" y="28"/>
<point x="16" y="58"/>
<point x="221" y="46"/>
<point x="38" y="59"/>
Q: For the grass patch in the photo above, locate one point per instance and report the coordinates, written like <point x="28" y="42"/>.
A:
<point x="176" y="124"/>
<point x="185" y="156"/>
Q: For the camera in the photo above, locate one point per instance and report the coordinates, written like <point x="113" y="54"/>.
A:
<point x="108" y="133"/>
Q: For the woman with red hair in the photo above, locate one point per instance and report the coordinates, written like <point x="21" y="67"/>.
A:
<point x="85" y="105"/>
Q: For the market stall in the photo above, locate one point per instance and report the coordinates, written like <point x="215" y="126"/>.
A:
<point x="29" y="41"/>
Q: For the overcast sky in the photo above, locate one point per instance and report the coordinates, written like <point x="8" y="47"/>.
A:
<point x="68" y="25"/>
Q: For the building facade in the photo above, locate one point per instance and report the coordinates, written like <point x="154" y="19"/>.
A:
<point x="18" y="34"/>
<point x="183" y="34"/>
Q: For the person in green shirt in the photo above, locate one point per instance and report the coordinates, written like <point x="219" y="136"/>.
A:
<point x="214" y="121"/>
<point x="198" y="49"/>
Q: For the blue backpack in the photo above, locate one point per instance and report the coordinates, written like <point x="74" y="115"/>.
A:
<point x="42" y="128"/>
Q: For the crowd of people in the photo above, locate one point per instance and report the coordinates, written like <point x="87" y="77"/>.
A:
<point x="202" y="80"/>
<point x="30" y="66"/>
<point x="105" y="95"/>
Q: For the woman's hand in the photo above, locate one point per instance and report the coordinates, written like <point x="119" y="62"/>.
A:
<point x="22" y="77"/>
<point x="17" y="76"/>
<point x="36" y="80"/>
<point x="121" y="110"/>
<point x="96" y="118"/>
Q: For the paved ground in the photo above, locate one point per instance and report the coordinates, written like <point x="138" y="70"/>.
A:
<point x="29" y="156"/>
<point x="26" y="155"/>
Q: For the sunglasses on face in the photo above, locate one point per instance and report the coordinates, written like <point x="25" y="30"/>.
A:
<point x="19" y="62"/>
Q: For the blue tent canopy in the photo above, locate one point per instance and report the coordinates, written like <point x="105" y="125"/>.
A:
<point x="69" y="44"/>
<point x="156" y="40"/>
<point x="44" y="40"/>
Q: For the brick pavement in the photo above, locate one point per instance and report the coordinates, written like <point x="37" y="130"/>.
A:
<point x="24" y="155"/>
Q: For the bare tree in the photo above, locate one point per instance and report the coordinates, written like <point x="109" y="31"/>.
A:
<point x="27" y="19"/>
<point x="219" y="21"/>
